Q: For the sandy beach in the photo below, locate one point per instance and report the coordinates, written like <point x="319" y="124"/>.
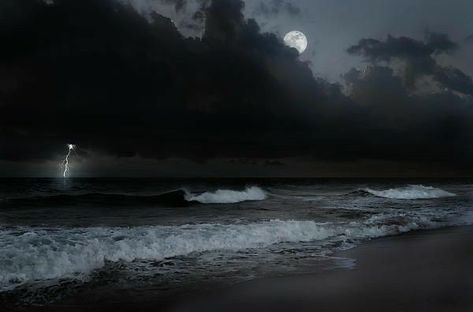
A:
<point x="418" y="271"/>
<point x="236" y="155"/>
<point x="422" y="271"/>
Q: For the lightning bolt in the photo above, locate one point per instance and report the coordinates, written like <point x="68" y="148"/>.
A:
<point x="65" y="163"/>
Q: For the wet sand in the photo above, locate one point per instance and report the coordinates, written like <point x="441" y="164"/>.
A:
<point x="421" y="271"/>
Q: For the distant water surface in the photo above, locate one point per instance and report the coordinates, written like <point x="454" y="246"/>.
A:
<point x="58" y="236"/>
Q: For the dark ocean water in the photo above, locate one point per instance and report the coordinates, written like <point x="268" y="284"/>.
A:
<point x="58" y="236"/>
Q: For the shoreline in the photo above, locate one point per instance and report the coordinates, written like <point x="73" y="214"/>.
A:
<point x="428" y="270"/>
<point x="417" y="271"/>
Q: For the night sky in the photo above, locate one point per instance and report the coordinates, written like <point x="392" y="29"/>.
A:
<point x="208" y="88"/>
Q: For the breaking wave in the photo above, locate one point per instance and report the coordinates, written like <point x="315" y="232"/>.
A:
<point x="35" y="254"/>
<point x="174" y="198"/>
<point x="411" y="192"/>
<point x="228" y="196"/>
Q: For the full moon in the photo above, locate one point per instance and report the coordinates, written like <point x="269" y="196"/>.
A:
<point x="296" y="39"/>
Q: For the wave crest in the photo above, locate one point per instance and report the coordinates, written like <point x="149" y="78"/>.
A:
<point x="228" y="196"/>
<point x="411" y="192"/>
<point x="175" y="198"/>
<point x="33" y="254"/>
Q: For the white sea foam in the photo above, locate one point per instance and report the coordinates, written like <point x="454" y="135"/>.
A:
<point x="31" y="254"/>
<point x="411" y="192"/>
<point x="228" y="196"/>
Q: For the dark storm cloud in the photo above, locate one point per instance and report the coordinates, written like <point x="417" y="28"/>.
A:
<point x="274" y="7"/>
<point x="469" y="39"/>
<point x="273" y="163"/>
<point x="178" y="4"/>
<point x="436" y="122"/>
<point x="402" y="47"/>
<point x="440" y="43"/>
<point x="419" y="58"/>
<point x="97" y="74"/>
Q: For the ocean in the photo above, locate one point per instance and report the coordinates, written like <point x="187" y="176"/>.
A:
<point x="59" y="237"/>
